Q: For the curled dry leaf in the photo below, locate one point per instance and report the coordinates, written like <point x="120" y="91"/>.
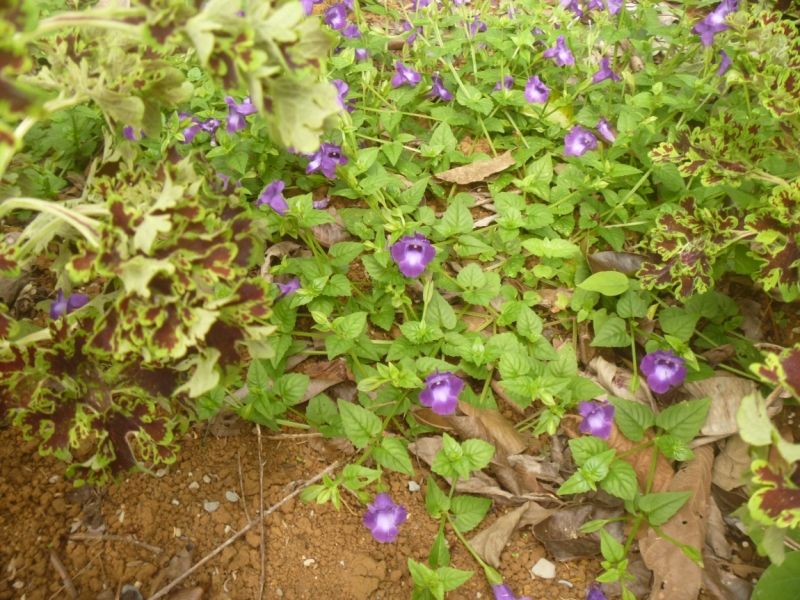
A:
<point x="715" y="531"/>
<point x="477" y="171"/>
<point x="490" y="542"/>
<point x="731" y="463"/>
<point x="721" y="585"/>
<point x="274" y="255"/>
<point x="553" y="299"/>
<point x="330" y="449"/>
<point x="622" y="262"/>
<point x="538" y="468"/>
<point x="561" y="535"/>
<point x="750" y="310"/>
<point x="676" y="576"/>
<point x="726" y="392"/>
<point x="329" y="234"/>
<point x="616" y="382"/>
<point x="719" y="354"/>
<point x="640" y="461"/>
<point x="177" y="566"/>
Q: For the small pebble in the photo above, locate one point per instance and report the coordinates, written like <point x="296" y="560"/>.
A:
<point x="341" y="562"/>
<point x="194" y="486"/>
<point x="279" y="592"/>
<point x="210" y="507"/>
<point x="53" y="479"/>
<point x="745" y="544"/>
<point x="544" y="569"/>
<point x="565" y="583"/>
<point x="206" y="479"/>
<point x="175" y="502"/>
<point x="308" y="562"/>
<point x="413" y="486"/>
<point x="231" y="496"/>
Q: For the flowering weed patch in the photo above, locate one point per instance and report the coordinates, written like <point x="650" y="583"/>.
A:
<point x="466" y="203"/>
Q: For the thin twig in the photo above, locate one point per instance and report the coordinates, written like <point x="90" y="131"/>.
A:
<point x="288" y="436"/>
<point x="79" y="537"/>
<point x="241" y="485"/>
<point x="77" y="575"/>
<point x="166" y="589"/>
<point x="773" y="395"/>
<point x="261" y="508"/>
<point x="62" y="572"/>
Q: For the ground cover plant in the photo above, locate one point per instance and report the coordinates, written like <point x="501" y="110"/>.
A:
<point x="542" y="205"/>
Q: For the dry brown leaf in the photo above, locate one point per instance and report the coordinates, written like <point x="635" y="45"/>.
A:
<point x="731" y="463"/>
<point x="193" y="593"/>
<point x="640" y="461"/>
<point x="560" y="533"/>
<point x="329" y="234"/>
<point x="622" y="262"/>
<point x="477" y="171"/>
<point x="721" y="585"/>
<point x="550" y="298"/>
<point x="676" y="576"/>
<point x="751" y="312"/>
<point x="616" y="381"/>
<point x="226" y="423"/>
<point x="541" y="469"/>
<point x="726" y="392"/>
<point x="333" y="369"/>
<point x="715" y="531"/>
<point x="504" y="437"/>
<point x="490" y="543"/>
<point x="639" y="587"/>
<point x="719" y="354"/>
<point x="330" y="448"/>
<point x="277" y="252"/>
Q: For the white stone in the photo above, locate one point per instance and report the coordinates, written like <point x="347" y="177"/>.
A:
<point x="231" y="496"/>
<point x="413" y="486"/>
<point x="544" y="569"/>
<point x="194" y="486"/>
<point x="210" y="507"/>
<point x="206" y="479"/>
<point x="175" y="502"/>
<point x="308" y="562"/>
<point x="565" y="583"/>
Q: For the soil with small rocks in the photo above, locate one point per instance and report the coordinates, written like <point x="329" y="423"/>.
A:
<point x="311" y="551"/>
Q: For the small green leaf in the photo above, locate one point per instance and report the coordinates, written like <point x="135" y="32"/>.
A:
<point x="478" y="453"/>
<point x="439" y="555"/>
<point x="469" y="511"/>
<point x="661" y="506"/>
<point x="585" y="447"/>
<point x="612" y="334"/>
<point x="436" y="501"/>
<point x="632" y="418"/>
<point x="612" y="550"/>
<point x="608" y="283"/>
<point x="452" y="578"/>
<point x="393" y="455"/>
<point x="360" y="425"/>
<point x="684" y="420"/>
<point x="621" y="481"/>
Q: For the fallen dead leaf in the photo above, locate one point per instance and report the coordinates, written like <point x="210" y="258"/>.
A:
<point x="490" y="543"/>
<point x="277" y="252"/>
<point x="640" y="461"/>
<point x="333" y="369"/>
<point x="193" y="593"/>
<point x="330" y="448"/>
<point x="226" y="423"/>
<point x="552" y="299"/>
<point x="639" y="587"/>
<point x="477" y="171"/>
<point x="541" y="469"/>
<point x="719" y="354"/>
<point x="616" y="381"/>
<point x="177" y="566"/>
<point x="715" y="531"/>
<point x="726" y="392"/>
<point x="750" y="310"/>
<point x="329" y="234"/>
<point x="622" y="262"/>
<point x="731" y="463"/>
<point x="560" y="533"/>
<point x="676" y="576"/>
<point x="721" y="585"/>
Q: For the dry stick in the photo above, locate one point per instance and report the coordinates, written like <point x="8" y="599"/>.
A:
<point x="289" y="436"/>
<point x="77" y="575"/>
<point x="79" y="537"/>
<point x="261" y="508"/>
<point x="241" y="486"/>
<point x="62" y="572"/>
<point x="773" y="395"/>
<point x="166" y="589"/>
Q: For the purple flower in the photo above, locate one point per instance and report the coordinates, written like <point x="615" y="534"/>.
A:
<point x="226" y="181"/>
<point x="384" y="517"/>
<point x="605" y="72"/>
<point x="236" y="117"/>
<point x="578" y="141"/>
<point x="362" y="53"/>
<point x="342" y="89"/>
<point x="408" y="27"/>
<point x="325" y="159"/>
<point x="597" y="418"/>
<point x="349" y="5"/>
<point x="192" y="130"/>
<point x="663" y="369"/>
<point x="405" y="75"/>
<point x="507" y="83"/>
<point x="308" y="6"/>
<point x="438" y="90"/>
<point x="441" y="392"/>
<point x="560" y="52"/>
<point x="417" y="4"/>
<point x="504" y="592"/>
<point x="65" y="305"/>
<point x="351" y="32"/>
<point x="320" y="204"/>
<point x="288" y="288"/>
<point x="477" y="26"/>
<point x="239" y="13"/>
<point x="336" y="16"/>
<point x="604" y="128"/>
<point x="724" y="62"/>
<point x="614" y="6"/>
<point x="573" y="4"/>
<point x="413" y="254"/>
<point x="210" y="125"/>
<point x="130" y="133"/>
<point x="714" y="22"/>
<point x="272" y="196"/>
<point x="536" y="91"/>
<point x="595" y="5"/>
<point x="511" y="12"/>
<point x="595" y="592"/>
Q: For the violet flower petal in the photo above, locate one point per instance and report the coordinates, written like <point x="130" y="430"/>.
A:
<point x="288" y="288"/>
<point x="663" y="369"/>
<point x="64" y="305"/>
<point x="413" y="254"/>
<point x="439" y="90"/>
<point x="507" y="83"/>
<point x="724" y="63"/>
<point x="272" y="196"/>
<point x="603" y="127"/>
<point x="605" y="72"/>
<point x="614" y="6"/>
<point x="597" y="418"/>
<point x="595" y="592"/>
<point x="560" y="52"/>
<point x="441" y="392"/>
<point x="504" y="592"/>
<point x="384" y="517"/>
<point x="336" y="16"/>
<point x="578" y="141"/>
<point x="536" y="91"/>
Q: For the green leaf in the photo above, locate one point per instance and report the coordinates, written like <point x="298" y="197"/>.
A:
<point x="436" y="501"/>
<point x="452" y="578"/>
<point x="351" y="326"/>
<point x="661" y="506"/>
<point x="456" y="219"/>
<point x="469" y="511"/>
<point x="755" y="426"/>
<point x="577" y="484"/>
<point x="673" y="448"/>
<point x="439" y="556"/>
<point x="472" y="276"/>
<point x="360" y="425"/>
<point x="443" y="136"/>
<point x="684" y="420"/>
<point x="514" y="364"/>
<point x="291" y="387"/>
<point x="678" y="322"/>
<point x="632" y="418"/>
<point x="440" y="313"/>
<point x="336" y="346"/>
<point x="343" y="253"/>
<point x="393" y="455"/>
<point x="585" y="447"/>
<point x="596" y="467"/>
<point x="258" y="379"/>
<point x="612" y="550"/>
<point x="621" y="481"/>
<point x="478" y="453"/>
<point x="630" y="306"/>
<point x="358" y="477"/>
<point x="612" y="334"/>
<point x="421" y="574"/>
<point x="556" y="248"/>
<point x="529" y="324"/>
<point x="608" y="283"/>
